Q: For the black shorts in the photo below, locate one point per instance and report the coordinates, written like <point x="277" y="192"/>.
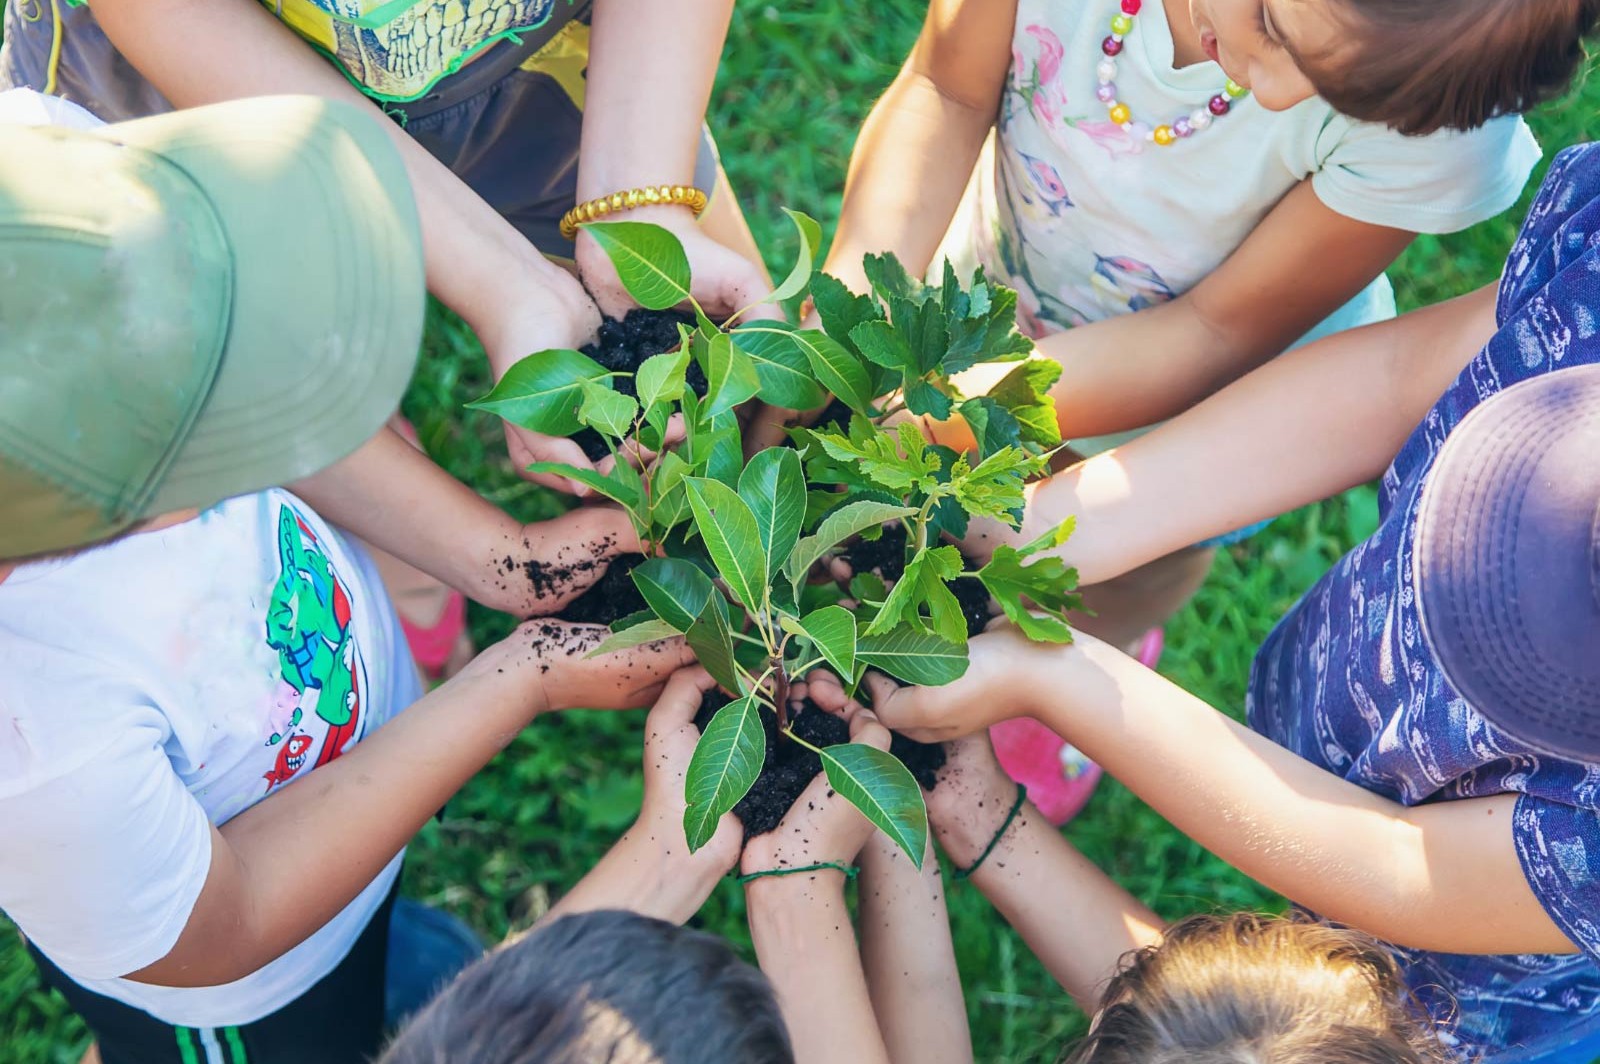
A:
<point x="340" y="1020"/>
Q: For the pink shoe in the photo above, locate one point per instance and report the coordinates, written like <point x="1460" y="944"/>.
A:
<point x="1058" y="776"/>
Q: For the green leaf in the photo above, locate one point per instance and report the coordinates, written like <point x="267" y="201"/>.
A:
<point x="840" y="371"/>
<point x="676" y="590"/>
<point x="835" y="529"/>
<point x="899" y="463"/>
<point x="833" y="629"/>
<point x="649" y="260"/>
<point x="730" y="375"/>
<point x="775" y="490"/>
<point x="994" y="487"/>
<point x="614" y="487"/>
<point x="669" y="500"/>
<point x="724" y="766"/>
<point x="729" y="530"/>
<point x="810" y="240"/>
<point x="922" y="325"/>
<point x="1045" y="581"/>
<point x="923" y="398"/>
<point x="712" y="642"/>
<point x="607" y="410"/>
<point x="868" y="587"/>
<point x="781" y="365"/>
<point x="889" y="279"/>
<point x="842" y="311"/>
<point x="714" y="446"/>
<point x="541" y="393"/>
<point x="924" y="584"/>
<point x="982" y="326"/>
<point x="1056" y="537"/>
<point x="1025" y="393"/>
<point x="992" y="425"/>
<point x="639" y="634"/>
<point x="879" y="342"/>
<point x="914" y="657"/>
<point x="875" y="782"/>
<point x="660" y="377"/>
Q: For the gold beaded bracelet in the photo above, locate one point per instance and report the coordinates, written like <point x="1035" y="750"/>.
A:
<point x="617" y="202"/>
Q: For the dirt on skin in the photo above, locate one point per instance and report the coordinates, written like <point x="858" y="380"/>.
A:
<point x="553" y="578"/>
<point x="623" y="346"/>
<point x="613" y="596"/>
<point x="789" y="767"/>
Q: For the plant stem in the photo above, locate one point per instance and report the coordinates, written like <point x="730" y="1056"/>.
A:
<point x="809" y="746"/>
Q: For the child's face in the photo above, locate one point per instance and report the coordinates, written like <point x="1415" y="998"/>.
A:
<point x="1260" y="42"/>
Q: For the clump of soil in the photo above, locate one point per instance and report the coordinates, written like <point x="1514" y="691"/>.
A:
<point x="613" y="596"/>
<point x="623" y="345"/>
<point x="886" y="556"/>
<point x="789" y="767"/>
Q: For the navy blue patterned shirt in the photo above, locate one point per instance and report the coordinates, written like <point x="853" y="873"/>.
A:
<point x="1347" y="682"/>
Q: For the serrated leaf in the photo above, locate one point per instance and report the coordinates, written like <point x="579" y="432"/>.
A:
<point x="924" y="584"/>
<point x="992" y="425"/>
<point x="914" y="657"/>
<point x="875" y="782"/>
<point x="775" y="490"/>
<point x="607" y="410"/>
<point x="650" y="261"/>
<point x="994" y="487"/>
<point x="889" y="278"/>
<point x="730" y="375"/>
<point x="833" y="629"/>
<point x="711" y="639"/>
<point x="615" y="487"/>
<point x="898" y="467"/>
<point x="923" y="398"/>
<point x="880" y="343"/>
<point x="676" y="590"/>
<point x="835" y="529"/>
<point x="782" y="367"/>
<point x="661" y="377"/>
<point x="729" y="531"/>
<point x="840" y="371"/>
<point x="1025" y="394"/>
<point x="648" y="632"/>
<point x="541" y="393"/>
<point x="722" y="770"/>
<point x="810" y="240"/>
<point x="1047" y="582"/>
<point x="922" y="326"/>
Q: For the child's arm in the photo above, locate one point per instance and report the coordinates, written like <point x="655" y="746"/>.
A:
<point x="1303" y="427"/>
<point x="909" y="958"/>
<point x="1442" y="876"/>
<point x="650" y="870"/>
<point x="287" y="865"/>
<point x="918" y="146"/>
<point x="1075" y="919"/>
<point x="399" y="500"/>
<point x="801" y="926"/>
<point x="515" y="300"/>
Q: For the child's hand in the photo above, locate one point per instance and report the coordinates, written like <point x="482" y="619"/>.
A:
<point x="556" y="655"/>
<point x="971" y="799"/>
<point x="553" y="562"/>
<point x="669" y="740"/>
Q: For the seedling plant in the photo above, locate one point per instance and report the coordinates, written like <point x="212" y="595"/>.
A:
<point x="733" y="547"/>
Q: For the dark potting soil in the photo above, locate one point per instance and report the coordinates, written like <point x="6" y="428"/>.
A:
<point x="614" y="595"/>
<point x="886" y="556"/>
<point x="622" y="346"/>
<point x="790" y="767"/>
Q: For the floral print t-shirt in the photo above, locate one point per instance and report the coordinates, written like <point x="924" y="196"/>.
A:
<point x="1087" y="220"/>
<point x="1348" y="682"/>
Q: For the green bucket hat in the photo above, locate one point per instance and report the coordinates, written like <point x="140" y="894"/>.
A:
<point x="195" y="306"/>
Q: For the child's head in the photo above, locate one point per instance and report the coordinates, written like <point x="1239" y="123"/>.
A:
<point x="1416" y="65"/>
<point x="602" y="988"/>
<point x="1248" y="989"/>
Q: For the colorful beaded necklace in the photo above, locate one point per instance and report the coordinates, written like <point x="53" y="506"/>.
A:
<point x="1183" y="127"/>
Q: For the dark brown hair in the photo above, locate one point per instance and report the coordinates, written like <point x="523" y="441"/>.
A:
<point x="1249" y="989"/>
<point x="1420" y="66"/>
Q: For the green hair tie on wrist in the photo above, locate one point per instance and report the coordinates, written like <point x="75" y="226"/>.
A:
<point x="1016" y="807"/>
<point x="850" y="872"/>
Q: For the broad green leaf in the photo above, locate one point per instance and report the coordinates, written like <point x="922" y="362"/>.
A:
<point x="1055" y="537"/>
<point x="922" y="326"/>
<point x="730" y="375"/>
<point x="833" y="629"/>
<point x="983" y="325"/>
<point x="924" y="584"/>
<point x="676" y="590"/>
<point x="668" y="499"/>
<point x="638" y="635"/>
<point x="781" y="365"/>
<point x="607" y="410"/>
<point x="725" y="764"/>
<point x="729" y="530"/>
<point x="881" y="343"/>
<point x="840" y="371"/>
<point x="810" y="240"/>
<point x="914" y="657"/>
<point x="992" y="425"/>
<point x="868" y="587"/>
<point x="614" y="487"/>
<point x="541" y="393"/>
<point x="649" y="260"/>
<point x="923" y="398"/>
<point x="727" y="449"/>
<point x="875" y="782"/>
<point x="1025" y="393"/>
<point x="841" y="312"/>
<point x="889" y="279"/>
<point x="835" y="529"/>
<point x="1045" y="582"/>
<point x="712" y="642"/>
<point x="661" y="377"/>
<point x="775" y="490"/>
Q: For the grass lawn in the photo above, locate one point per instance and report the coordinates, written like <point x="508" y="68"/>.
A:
<point x="796" y="81"/>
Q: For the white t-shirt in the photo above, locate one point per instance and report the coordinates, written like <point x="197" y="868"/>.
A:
<point x="1088" y="221"/>
<point x="161" y="684"/>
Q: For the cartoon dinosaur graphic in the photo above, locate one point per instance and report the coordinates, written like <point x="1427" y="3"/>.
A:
<point x="291" y="758"/>
<point x="308" y="624"/>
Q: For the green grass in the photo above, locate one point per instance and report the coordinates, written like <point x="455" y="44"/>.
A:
<point x="794" y="87"/>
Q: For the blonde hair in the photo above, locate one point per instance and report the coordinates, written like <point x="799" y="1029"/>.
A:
<point x="1251" y="989"/>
